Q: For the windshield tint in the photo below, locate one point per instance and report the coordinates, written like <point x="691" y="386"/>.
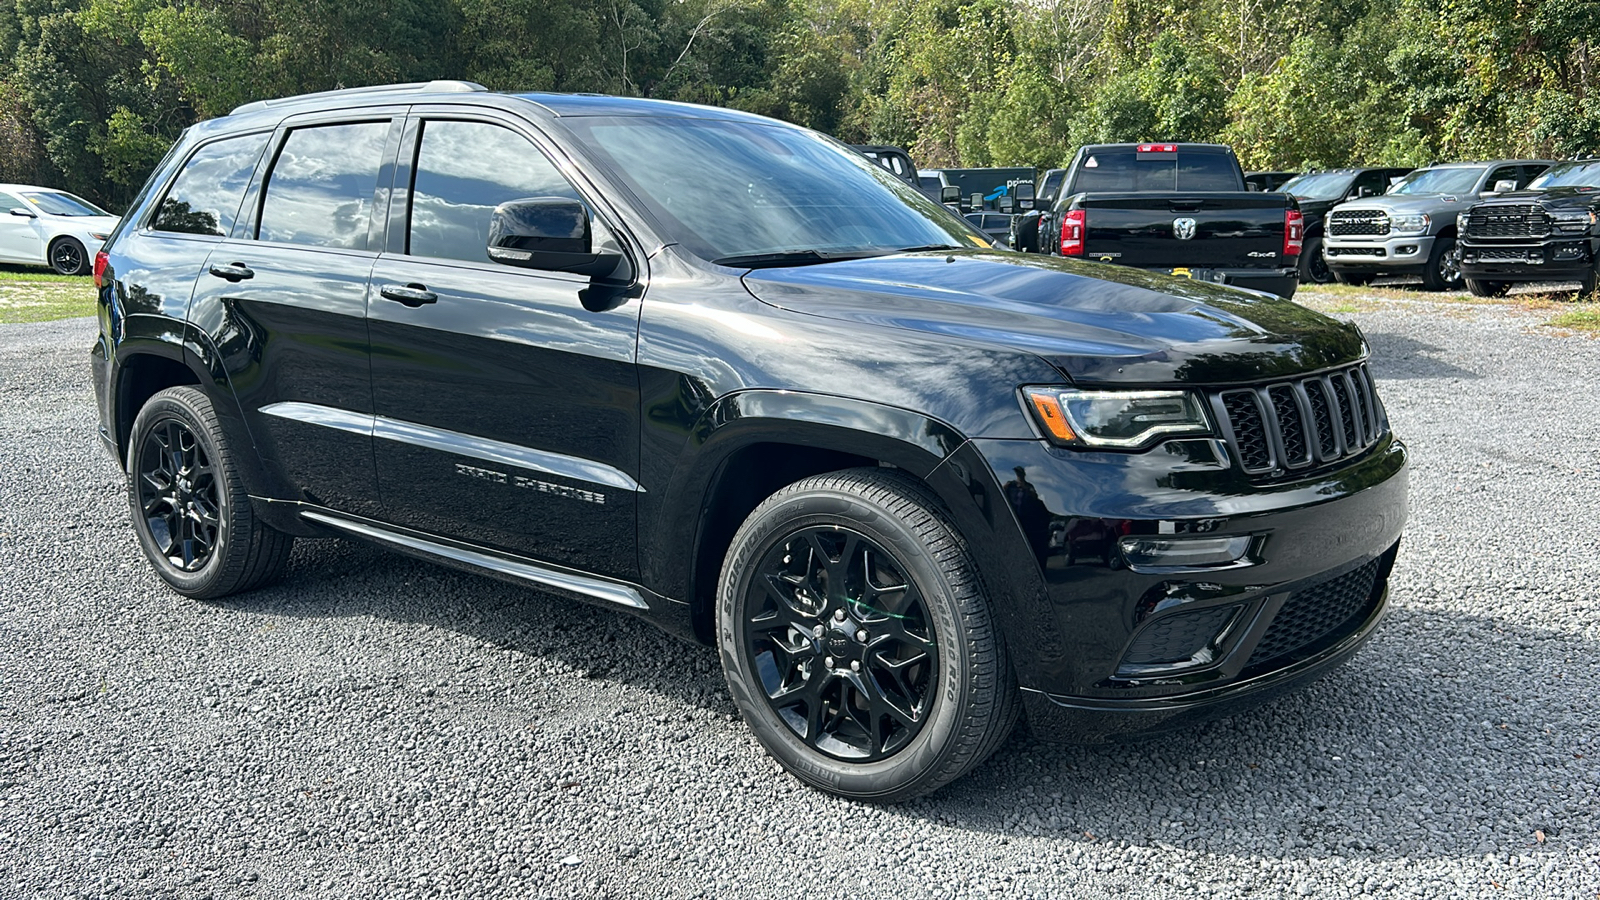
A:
<point x="1454" y="180"/>
<point x="1572" y="174"/>
<point x="1320" y="186"/>
<point x="57" y="203"/>
<point x="731" y="189"/>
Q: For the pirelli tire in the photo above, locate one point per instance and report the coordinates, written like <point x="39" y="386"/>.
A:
<point x="857" y="641"/>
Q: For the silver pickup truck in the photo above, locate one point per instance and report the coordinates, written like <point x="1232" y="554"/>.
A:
<point x="1411" y="230"/>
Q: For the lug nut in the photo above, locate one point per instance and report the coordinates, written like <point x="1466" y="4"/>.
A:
<point x="817" y="631"/>
<point x="855" y="665"/>
<point x="838" y="615"/>
<point x="827" y="661"/>
<point x="862" y="635"/>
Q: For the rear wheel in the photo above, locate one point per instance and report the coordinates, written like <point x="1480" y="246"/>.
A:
<point x="68" y="257"/>
<point x="1356" y="279"/>
<point x="1313" y="266"/>
<point x="190" y="509"/>
<point x="856" y="639"/>
<point x="1480" y="288"/>
<point x="1444" y="266"/>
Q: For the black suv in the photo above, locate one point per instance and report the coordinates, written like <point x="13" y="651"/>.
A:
<point x="724" y="373"/>
<point x="1547" y="233"/>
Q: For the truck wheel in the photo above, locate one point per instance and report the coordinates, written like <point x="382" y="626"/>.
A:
<point x="190" y="510"/>
<point x="1444" y="266"/>
<point x="1356" y="279"/>
<point x="1587" y="286"/>
<point x="856" y="639"/>
<point x="1313" y="266"/>
<point x="1025" y="233"/>
<point x="1481" y="288"/>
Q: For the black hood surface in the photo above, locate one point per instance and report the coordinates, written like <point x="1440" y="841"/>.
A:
<point x="1097" y="323"/>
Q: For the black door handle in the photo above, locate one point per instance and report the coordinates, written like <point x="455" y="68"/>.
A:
<point x="234" y="272"/>
<point x="412" y="295"/>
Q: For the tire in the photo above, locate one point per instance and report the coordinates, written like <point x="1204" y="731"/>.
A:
<point x="887" y="583"/>
<point x="1444" y="266"/>
<point x="1354" y="279"/>
<point x="1025" y="233"/>
<point x="1587" y="286"/>
<point x="190" y="510"/>
<point x="68" y="257"/>
<point x="1313" y="266"/>
<point x="1481" y="288"/>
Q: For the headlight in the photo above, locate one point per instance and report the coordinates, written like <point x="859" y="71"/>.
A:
<point x="1572" y="221"/>
<point x="1461" y="222"/>
<point x="1121" y="420"/>
<point x="1415" y="223"/>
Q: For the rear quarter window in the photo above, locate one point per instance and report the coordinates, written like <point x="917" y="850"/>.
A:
<point x="206" y="195"/>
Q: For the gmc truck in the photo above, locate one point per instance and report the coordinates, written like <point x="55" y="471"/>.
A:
<point x="1183" y="209"/>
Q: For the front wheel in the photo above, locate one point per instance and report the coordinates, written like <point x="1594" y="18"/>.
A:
<point x="1480" y="288"/>
<point x="190" y="509"/>
<point x="68" y="257"/>
<point x="1354" y="279"/>
<point x="856" y="639"/>
<point x="1587" y="286"/>
<point x="1444" y="266"/>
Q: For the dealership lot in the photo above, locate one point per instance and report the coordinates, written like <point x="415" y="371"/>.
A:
<point x="375" y="726"/>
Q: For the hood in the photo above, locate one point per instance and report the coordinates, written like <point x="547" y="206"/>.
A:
<point x="1411" y="203"/>
<point x="1581" y="197"/>
<point x="98" y="224"/>
<point x="1097" y="323"/>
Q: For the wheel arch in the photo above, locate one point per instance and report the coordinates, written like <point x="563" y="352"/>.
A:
<point x="144" y="369"/>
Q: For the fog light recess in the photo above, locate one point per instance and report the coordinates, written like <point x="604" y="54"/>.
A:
<point x="1184" y="552"/>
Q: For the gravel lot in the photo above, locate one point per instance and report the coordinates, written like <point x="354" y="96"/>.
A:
<point x="378" y="727"/>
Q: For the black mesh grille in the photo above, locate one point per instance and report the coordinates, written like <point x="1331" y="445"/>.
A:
<point x="1290" y="424"/>
<point x="1358" y="222"/>
<point x="1344" y="420"/>
<point x="1178" y="637"/>
<point x="1507" y="222"/>
<point x="1493" y="255"/>
<point x="1328" y="610"/>
<point x="1250" y="433"/>
<point x="1322" y="420"/>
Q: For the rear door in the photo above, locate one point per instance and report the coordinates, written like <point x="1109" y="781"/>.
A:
<point x="507" y="408"/>
<point x="285" y="300"/>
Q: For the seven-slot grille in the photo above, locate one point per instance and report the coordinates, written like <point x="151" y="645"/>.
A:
<point x="1302" y="423"/>
<point x="1358" y="222"/>
<point x="1519" y="221"/>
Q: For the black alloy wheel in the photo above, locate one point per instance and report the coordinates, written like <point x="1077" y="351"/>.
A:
<point x="856" y="640"/>
<point x="1313" y="265"/>
<point x="68" y="257"/>
<point x="842" y="642"/>
<point x="177" y="488"/>
<point x="190" y="510"/>
<point x="1444" y="266"/>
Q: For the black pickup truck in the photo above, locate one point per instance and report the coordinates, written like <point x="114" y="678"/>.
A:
<point x="1547" y="233"/>
<point x="1178" y="208"/>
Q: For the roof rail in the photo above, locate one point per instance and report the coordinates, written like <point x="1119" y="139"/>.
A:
<point x="439" y="86"/>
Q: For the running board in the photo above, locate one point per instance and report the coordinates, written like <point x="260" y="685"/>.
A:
<point x="562" y="579"/>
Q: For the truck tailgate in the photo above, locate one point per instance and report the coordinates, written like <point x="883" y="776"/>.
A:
<point x="1170" y="230"/>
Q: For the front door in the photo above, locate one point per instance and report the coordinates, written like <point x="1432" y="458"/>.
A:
<point x="507" y="412"/>
<point x="19" y="235"/>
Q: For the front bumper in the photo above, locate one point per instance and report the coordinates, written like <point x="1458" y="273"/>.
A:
<point x="1559" y="260"/>
<point x="1094" y="670"/>
<point x="1398" y="254"/>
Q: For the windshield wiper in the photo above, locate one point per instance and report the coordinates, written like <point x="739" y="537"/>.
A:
<point x="794" y="258"/>
<point x="931" y="247"/>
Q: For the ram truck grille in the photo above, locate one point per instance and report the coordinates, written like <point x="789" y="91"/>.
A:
<point x="1358" y="223"/>
<point x="1521" y="221"/>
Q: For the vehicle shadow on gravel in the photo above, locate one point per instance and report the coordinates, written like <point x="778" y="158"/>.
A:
<point x="1400" y="356"/>
<point x="1414" y="750"/>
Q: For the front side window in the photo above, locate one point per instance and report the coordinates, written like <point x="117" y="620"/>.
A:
<point x="464" y="170"/>
<point x="320" y="189"/>
<point x="206" y="196"/>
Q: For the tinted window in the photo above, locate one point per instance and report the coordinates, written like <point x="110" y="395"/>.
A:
<point x="8" y="203"/>
<point x="1512" y="174"/>
<point x="60" y="203"/>
<point x="205" y="197"/>
<point x="1374" y="182"/>
<point x="320" y="189"/>
<point x="1454" y="180"/>
<point x="1319" y="186"/>
<point x="1572" y="174"/>
<point x="1124" y="169"/>
<point x="464" y="170"/>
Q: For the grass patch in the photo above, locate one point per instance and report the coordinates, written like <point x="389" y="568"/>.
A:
<point x="1585" y="317"/>
<point x="30" y="296"/>
<point x="12" y="274"/>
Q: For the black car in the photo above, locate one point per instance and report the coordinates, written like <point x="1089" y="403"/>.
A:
<point x="1321" y="191"/>
<point x="723" y="373"/>
<point x="1545" y="234"/>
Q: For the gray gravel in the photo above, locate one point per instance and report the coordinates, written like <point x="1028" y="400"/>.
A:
<point x="377" y="727"/>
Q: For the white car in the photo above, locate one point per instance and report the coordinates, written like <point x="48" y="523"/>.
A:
<point x="46" y="227"/>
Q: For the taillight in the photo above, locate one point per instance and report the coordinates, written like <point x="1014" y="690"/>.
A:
<point x="100" y="261"/>
<point x="1073" y="227"/>
<point x="1294" y="232"/>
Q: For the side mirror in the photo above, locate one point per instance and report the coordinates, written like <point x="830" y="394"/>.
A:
<point x="548" y="233"/>
<point x="1006" y="204"/>
<point x="24" y="213"/>
<point x="949" y="194"/>
<point x="1024" y="192"/>
<point x="1504" y="186"/>
<point x="975" y="201"/>
<point x="1364" y="192"/>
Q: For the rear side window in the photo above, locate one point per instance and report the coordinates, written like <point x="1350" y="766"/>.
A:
<point x="320" y="189"/>
<point x="205" y="197"/>
<point x="464" y="170"/>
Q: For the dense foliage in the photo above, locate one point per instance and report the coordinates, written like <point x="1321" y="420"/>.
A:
<point x="92" y="92"/>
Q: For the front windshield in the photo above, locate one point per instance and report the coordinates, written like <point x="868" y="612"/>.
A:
<point x="1319" y="185"/>
<point x="731" y="190"/>
<point x="1454" y="180"/>
<point x="58" y="203"/>
<point x="1572" y="174"/>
